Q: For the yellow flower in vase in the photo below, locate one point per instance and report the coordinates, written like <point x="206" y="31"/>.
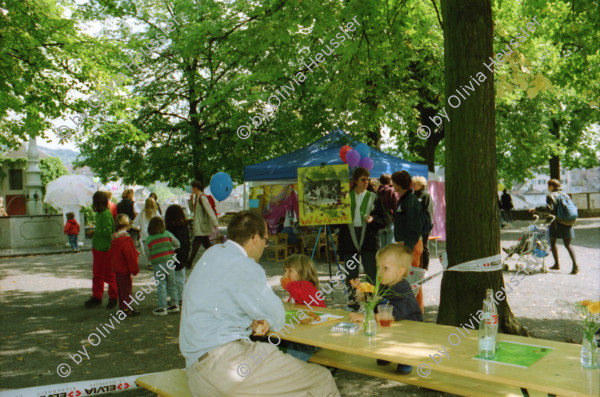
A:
<point x="593" y="307"/>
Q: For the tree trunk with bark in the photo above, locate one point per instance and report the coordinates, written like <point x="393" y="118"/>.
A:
<point x="472" y="223"/>
<point x="555" y="160"/>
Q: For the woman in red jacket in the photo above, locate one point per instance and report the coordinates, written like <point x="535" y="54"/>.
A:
<point x="124" y="259"/>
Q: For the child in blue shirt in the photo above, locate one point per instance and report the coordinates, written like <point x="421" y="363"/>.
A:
<point x="393" y="262"/>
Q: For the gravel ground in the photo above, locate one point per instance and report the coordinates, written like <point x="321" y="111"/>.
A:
<point x="44" y="319"/>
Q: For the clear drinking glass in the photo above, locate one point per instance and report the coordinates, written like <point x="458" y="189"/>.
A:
<point x="385" y="315"/>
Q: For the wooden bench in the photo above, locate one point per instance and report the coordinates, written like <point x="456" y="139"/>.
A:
<point x="436" y="380"/>
<point x="173" y="383"/>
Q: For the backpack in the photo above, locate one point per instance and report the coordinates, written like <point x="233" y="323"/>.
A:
<point x="566" y="213"/>
<point x="212" y="203"/>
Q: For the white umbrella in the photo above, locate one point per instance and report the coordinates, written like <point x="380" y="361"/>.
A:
<point x="70" y="190"/>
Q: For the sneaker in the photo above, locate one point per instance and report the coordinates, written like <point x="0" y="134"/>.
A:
<point x="160" y="312"/>
<point x="173" y="309"/>
<point x="555" y="267"/>
<point x="111" y="303"/>
<point x="404" y="369"/>
<point x="575" y="270"/>
<point x="93" y="302"/>
<point x="131" y="313"/>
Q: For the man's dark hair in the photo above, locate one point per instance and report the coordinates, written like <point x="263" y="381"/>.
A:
<point x="385" y="179"/>
<point x="70" y="215"/>
<point x="99" y="201"/>
<point x="198" y="185"/>
<point x="504" y="191"/>
<point x="244" y="225"/>
<point x="555" y="183"/>
<point x="402" y="179"/>
<point x="156" y="226"/>
<point x="360" y="172"/>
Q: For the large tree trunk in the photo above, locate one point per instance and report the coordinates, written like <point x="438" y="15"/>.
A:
<point x="472" y="222"/>
<point x="555" y="160"/>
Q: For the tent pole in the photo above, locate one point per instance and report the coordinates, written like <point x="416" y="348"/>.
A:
<point x="316" y="243"/>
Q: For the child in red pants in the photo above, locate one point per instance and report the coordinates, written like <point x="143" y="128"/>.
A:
<point x="124" y="260"/>
<point x="101" y="269"/>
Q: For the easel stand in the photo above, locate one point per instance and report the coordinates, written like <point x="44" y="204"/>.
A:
<point x="327" y="240"/>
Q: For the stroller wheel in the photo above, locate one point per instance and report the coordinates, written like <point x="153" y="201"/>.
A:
<point x="544" y="270"/>
<point x="505" y="267"/>
<point x="520" y="267"/>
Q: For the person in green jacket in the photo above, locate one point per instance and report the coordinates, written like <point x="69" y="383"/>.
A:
<point x="101" y="268"/>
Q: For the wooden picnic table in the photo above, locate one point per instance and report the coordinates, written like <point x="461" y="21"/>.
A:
<point x="409" y="342"/>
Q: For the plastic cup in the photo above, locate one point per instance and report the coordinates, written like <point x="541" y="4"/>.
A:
<point x="385" y="315"/>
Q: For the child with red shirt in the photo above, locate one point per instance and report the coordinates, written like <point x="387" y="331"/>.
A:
<point x="124" y="260"/>
<point x="300" y="280"/>
<point x="72" y="230"/>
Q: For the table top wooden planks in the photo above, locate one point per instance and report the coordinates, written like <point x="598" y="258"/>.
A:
<point x="410" y="342"/>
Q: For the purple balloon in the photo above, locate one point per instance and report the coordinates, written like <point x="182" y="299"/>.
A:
<point x="366" y="163"/>
<point x="353" y="158"/>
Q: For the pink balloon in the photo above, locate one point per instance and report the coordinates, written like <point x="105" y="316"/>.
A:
<point x="353" y="158"/>
<point x="366" y="163"/>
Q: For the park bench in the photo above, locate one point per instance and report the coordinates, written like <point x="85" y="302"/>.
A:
<point x="173" y="383"/>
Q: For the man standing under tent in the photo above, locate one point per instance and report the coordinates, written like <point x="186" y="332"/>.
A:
<point x="408" y="226"/>
<point x="389" y="198"/>
<point x="360" y="239"/>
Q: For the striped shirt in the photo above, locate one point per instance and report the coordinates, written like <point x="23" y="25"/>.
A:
<point x="161" y="247"/>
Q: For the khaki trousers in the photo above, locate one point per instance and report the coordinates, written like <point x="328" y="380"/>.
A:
<point x="245" y="368"/>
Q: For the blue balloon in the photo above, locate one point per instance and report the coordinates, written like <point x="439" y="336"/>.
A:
<point x="221" y="185"/>
<point x="363" y="149"/>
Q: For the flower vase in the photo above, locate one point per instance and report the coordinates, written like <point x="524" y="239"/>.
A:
<point x="590" y="354"/>
<point x="370" y="324"/>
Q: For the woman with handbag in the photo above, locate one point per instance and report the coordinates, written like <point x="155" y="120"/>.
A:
<point x="205" y="220"/>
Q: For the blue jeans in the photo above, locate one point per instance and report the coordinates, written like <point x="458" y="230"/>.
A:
<point x="386" y="235"/>
<point x="180" y="281"/>
<point x="73" y="241"/>
<point x="166" y="285"/>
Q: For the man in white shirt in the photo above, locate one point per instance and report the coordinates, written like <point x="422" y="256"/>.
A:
<point x="225" y="300"/>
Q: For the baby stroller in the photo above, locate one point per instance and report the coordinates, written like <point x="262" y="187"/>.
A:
<point x="532" y="248"/>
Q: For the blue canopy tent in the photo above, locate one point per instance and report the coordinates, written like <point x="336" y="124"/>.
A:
<point x="325" y="151"/>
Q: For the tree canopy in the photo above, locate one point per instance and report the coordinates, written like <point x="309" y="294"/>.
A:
<point x="167" y="84"/>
